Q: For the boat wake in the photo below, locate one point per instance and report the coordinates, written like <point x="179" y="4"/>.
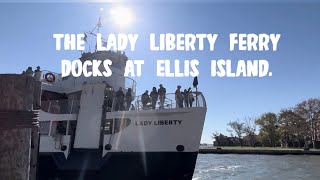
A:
<point x="219" y="168"/>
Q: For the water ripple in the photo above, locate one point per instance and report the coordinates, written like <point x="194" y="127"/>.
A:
<point x="228" y="166"/>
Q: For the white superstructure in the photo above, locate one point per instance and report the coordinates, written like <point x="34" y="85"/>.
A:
<point x="80" y="114"/>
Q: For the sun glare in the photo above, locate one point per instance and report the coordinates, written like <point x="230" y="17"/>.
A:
<point x="121" y="16"/>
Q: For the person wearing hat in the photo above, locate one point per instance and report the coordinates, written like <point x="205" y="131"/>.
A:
<point x="179" y="97"/>
<point x="162" y="95"/>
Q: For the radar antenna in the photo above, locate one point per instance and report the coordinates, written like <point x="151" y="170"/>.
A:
<point x="98" y="26"/>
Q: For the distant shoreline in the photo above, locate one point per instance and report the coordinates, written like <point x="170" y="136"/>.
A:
<point x="258" y="151"/>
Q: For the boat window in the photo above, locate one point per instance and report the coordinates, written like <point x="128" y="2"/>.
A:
<point x="61" y="106"/>
<point x="44" y="127"/>
<point x="58" y="128"/>
<point x="116" y="125"/>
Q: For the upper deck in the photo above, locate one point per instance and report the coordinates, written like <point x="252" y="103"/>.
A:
<point x="72" y="84"/>
<point x="194" y="99"/>
<point x="65" y="106"/>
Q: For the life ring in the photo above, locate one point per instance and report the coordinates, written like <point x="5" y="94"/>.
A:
<point x="50" y="77"/>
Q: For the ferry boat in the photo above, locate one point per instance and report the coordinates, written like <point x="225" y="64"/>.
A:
<point x="83" y="135"/>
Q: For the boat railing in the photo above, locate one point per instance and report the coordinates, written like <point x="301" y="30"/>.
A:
<point x="63" y="106"/>
<point x="191" y="99"/>
<point x="128" y="82"/>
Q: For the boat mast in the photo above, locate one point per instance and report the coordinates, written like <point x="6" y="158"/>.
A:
<point x="97" y="27"/>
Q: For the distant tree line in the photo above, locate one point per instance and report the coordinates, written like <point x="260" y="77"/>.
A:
<point x="297" y="127"/>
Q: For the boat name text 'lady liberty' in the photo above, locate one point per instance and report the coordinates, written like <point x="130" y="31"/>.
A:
<point x="158" y="123"/>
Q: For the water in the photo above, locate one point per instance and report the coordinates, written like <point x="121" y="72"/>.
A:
<point x="232" y="166"/>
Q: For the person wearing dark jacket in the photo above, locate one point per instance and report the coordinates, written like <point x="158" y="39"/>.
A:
<point x="154" y="97"/>
<point x="190" y="97"/>
<point x="120" y="100"/>
<point x="186" y="98"/>
<point x="145" y="99"/>
<point x="128" y="99"/>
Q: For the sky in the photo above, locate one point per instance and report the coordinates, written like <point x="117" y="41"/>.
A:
<point x="26" y="40"/>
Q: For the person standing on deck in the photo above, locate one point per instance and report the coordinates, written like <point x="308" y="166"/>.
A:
<point x="132" y="108"/>
<point x="162" y="95"/>
<point x="120" y="100"/>
<point x="145" y="98"/>
<point x="179" y="97"/>
<point x="186" y="98"/>
<point x="190" y="97"/>
<point x="128" y="99"/>
<point x="154" y="97"/>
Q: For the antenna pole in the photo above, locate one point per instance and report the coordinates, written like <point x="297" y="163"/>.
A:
<point x="99" y="25"/>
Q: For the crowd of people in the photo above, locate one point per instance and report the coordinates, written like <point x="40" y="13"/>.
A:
<point x="153" y="97"/>
<point x="183" y="98"/>
<point x="123" y="101"/>
<point x="149" y="101"/>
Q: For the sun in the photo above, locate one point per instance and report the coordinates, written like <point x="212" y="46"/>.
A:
<point x="121" y="16"/>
